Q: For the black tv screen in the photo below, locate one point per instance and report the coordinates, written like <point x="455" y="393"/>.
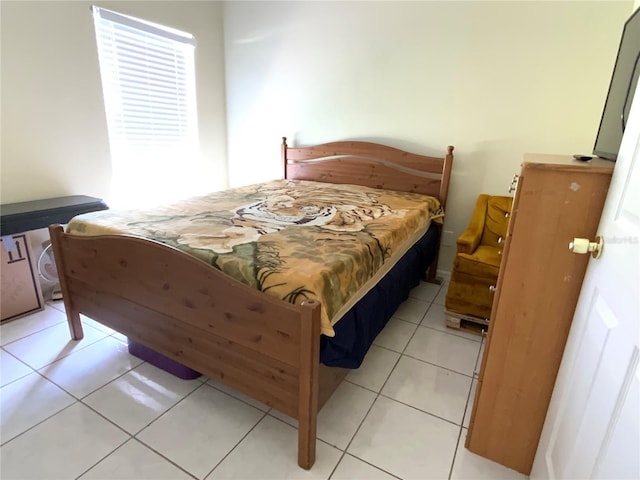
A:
<point x="621" y="90"/>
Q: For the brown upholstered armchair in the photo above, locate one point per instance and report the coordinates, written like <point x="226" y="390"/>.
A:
<point x="477" y="261"/>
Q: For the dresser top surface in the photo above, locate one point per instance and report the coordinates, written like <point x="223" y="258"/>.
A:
<point x="544" y="160"/>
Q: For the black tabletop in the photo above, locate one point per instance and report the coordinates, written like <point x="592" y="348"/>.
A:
<point x="25" y="216"/>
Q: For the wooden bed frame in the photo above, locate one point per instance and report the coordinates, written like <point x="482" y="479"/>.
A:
<point x="192" y="313"/>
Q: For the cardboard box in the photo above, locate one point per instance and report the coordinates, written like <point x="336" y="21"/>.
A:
<point x="20" y="292"/>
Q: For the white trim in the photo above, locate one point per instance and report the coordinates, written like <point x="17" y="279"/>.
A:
<point x="444" y="274"/>
<point x="144" y="25"/>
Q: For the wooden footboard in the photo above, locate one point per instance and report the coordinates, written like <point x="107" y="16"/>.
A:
<point x="189" y="311"/>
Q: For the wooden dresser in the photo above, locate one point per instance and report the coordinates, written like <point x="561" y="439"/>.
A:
<point x="557" y="198"/>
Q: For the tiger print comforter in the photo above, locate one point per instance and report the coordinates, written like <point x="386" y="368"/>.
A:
<point x="291" y="239"/>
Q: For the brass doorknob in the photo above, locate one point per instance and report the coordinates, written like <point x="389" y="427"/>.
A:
<point x="583" y="245"/>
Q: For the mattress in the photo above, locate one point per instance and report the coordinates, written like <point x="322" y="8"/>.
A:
<point x="291" y="239"/>
<point x="359" y="327"/>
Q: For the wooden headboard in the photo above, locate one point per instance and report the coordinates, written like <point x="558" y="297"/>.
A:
<point x="371" y="165"/>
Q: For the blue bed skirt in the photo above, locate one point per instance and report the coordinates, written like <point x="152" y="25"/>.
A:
<point x="356" y="331"/>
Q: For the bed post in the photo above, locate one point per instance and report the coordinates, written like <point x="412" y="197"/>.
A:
<point x="283" y="155"/>
<point x="433" y="268"/>
<point x="308" y="383"/>
<point x="444" y="190"/>
<point x="56" y="232"/>
<point x="446" y="175"/>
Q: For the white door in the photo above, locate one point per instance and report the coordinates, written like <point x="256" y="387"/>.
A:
<point x="593" y="422"/>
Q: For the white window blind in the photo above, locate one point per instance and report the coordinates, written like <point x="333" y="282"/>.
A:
<point x="148" y="83"/>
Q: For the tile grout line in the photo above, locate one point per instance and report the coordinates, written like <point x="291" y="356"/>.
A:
<point x="70" y="340"/>
<point x="3" y="444"/>
<point x="19" y="378"/>
<point x="378" y="394"/>
<point x="455" y="453"/>
<point x="462" y="427"/>
<point x="202" y="384"/>
<point x="455" y="450"/>
<point x="451" y="331"/>
<point x="105" y="457"/>
<point x="345" y="453"/>
<point x="267" y="413"/>
<point x="439" y="366"/>
<point x="472" y="375"/>
<point x="80" y="400"/>
<point x="74" y="397"/>
<point x="32" y="333"/>
<point x="133" y="436"/>
<point x="159" y="454"/>
<point x="226" y="455"/>
<point x="428" y="363"/>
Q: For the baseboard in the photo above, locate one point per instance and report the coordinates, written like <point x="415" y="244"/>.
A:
<point x="445" y="275"/>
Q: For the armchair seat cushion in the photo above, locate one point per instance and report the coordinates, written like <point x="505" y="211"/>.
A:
<point x="484" y="262"/>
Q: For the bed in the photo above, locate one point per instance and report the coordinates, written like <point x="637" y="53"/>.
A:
<point x="189" y="311"/>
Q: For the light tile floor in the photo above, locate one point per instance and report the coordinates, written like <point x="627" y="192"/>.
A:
<point x="90" y="410"/>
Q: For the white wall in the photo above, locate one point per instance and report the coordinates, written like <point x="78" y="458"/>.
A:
<point x="495" y="79"/>
<point x="54" y="133"/>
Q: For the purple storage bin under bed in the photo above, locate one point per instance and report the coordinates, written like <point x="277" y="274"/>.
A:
<point x="160" y="361"/>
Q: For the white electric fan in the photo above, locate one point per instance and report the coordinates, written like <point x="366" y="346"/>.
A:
<point x="48" y="271"/>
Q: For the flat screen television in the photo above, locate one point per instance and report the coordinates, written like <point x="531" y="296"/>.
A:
<point x="621" y="89"/>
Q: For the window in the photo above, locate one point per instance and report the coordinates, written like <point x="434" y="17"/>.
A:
<point x="148" y="82"/>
